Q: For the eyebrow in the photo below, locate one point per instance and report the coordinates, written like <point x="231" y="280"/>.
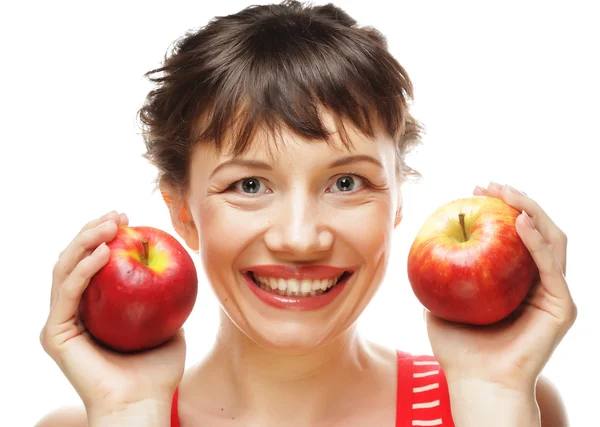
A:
<point x="262" y="165"/>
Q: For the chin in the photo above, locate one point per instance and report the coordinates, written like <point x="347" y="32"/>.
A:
<point x="291" y="338"/>
<point x="291" y="333"/>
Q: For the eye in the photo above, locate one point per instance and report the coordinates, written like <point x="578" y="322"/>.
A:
<point x="249" y="185"/>
<point x="347" y="183"/>
<point x="344" y="184"/>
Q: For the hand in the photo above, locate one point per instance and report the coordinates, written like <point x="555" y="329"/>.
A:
<point x="107" y="381"/>
<point x="513" y="352"/>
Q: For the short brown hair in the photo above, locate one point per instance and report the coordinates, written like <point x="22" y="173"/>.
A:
<point x="268" y="66"/>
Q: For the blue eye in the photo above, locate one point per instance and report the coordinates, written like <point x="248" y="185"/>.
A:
<point x="250" y="185"/>
<point x="346" y="183"/>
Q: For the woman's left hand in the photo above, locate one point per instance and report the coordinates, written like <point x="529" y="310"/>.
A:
<point x="513" y="352"/>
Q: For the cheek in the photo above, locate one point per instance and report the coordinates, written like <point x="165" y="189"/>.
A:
<point x="372" y="232"/>
<point x="224" y="231"/>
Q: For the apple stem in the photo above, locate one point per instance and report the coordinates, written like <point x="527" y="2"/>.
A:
<point x="461" y="219"/>
<point x="145" y="254"/>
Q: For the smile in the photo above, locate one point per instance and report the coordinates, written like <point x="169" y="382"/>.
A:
<point x="298" y="289"/>
<point x="294" y="287"/>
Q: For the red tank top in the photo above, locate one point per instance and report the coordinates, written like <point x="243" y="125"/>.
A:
<point x="422" y="396"/>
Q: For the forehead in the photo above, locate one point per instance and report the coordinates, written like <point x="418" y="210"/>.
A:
<point x="285" y="143"/>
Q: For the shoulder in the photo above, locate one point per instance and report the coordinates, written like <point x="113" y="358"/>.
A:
<point x="71" y="416"/>
<point x="552" y="408"/>
<point x="426" y="377"/>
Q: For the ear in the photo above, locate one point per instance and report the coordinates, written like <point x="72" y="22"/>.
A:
<point x="398" y="211"/>
<point x="398" y="216"/>
<point x="180" y="216"/>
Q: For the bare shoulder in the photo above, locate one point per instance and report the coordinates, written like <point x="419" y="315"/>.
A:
<point x="552" y="408"/>
<point x="69" y="416"/>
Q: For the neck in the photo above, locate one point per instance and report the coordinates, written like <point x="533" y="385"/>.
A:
<point x="274" y="386"/>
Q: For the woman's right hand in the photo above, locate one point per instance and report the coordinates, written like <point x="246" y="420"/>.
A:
<point x="108" y="382"/>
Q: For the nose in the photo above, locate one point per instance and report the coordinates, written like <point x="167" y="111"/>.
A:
<point x="299" y="228"/>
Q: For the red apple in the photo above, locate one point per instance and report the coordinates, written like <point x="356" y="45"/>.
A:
<point x="144" y="294"/>
<point x="467" y="263"/>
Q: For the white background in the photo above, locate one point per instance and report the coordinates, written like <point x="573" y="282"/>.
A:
<point x="508" y="92"/>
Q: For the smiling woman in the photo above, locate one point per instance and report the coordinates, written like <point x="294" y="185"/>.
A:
<point x="296" y="215"/>
<point x="280" y="135"/>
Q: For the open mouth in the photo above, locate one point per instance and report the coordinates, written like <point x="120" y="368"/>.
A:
<point x="298" y="288"/>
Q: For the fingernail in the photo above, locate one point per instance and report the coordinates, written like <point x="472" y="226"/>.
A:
<point x="513" y="190"/>
<point x="495" y="185"/>
<point x="123" y="218"/>
<point x="529" y="222"/>
<point x="480" y="189"/>
<point x="107" y="214"/>
<point x="107" y="224"/>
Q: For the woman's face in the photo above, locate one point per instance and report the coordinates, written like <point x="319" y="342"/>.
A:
<point x="298" y="210"/>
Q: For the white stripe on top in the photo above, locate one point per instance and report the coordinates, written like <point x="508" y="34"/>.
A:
<point x="435" y="422"/>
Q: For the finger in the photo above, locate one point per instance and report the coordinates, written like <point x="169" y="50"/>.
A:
<point x="478" y="191"/>
<point x="69" y="295"/>
<point x="81" y="247"/>
<point x="112" y="215"/>
<point x="96" y="222"/>
<point x="552" y="234"/>
<point x="120" y="219"/>
<point x="550" y="271"/>
<point x="123" y="220"/>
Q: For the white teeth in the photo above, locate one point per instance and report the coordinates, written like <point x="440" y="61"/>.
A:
<point x="307" y="285"/>
<point x="293" y="287"/>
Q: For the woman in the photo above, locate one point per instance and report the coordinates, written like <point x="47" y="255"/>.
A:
<point x="280" y="134"/>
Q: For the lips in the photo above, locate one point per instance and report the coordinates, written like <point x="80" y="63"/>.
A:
<point x="297" y="302"/>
